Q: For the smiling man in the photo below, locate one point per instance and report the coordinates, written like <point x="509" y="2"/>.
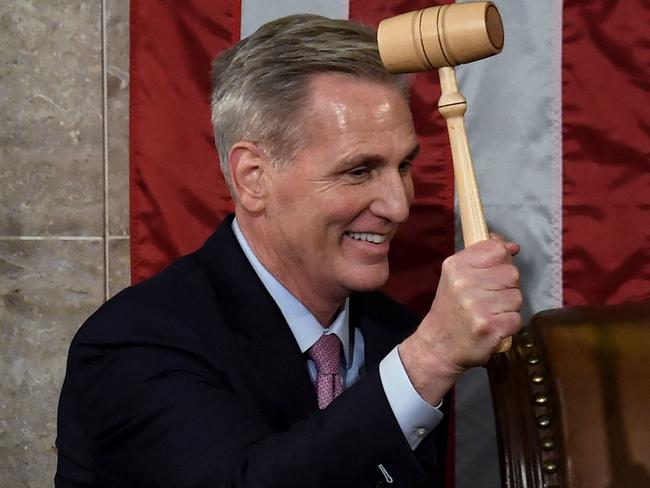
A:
<point x="322" y="223"/>
<point x="267" y="358"/>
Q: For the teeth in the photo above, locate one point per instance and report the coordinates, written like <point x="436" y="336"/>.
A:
<point x="367" y="236"/>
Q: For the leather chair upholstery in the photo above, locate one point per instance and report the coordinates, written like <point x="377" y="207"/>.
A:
<point x="572" y="400"/>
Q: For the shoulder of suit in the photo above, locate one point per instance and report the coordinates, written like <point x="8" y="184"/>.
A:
<point x="180" y="296"/>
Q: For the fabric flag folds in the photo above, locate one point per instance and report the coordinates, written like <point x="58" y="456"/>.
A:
<point x="559" y="127"/>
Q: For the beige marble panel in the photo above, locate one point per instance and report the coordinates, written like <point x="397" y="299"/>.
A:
<point x="50" y="118"/>
<point x="117" y="40"/>
<point x="47" y="290"/>
<point x="119" y="263"/>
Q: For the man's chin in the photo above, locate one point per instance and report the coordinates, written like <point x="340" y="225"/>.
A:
<point x="369" y="281"/>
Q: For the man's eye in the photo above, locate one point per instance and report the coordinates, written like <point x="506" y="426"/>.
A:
<point x="405" y="166"/>
<point x="359" y="172"/>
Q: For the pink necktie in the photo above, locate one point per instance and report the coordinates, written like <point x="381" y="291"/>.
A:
<point x="326" y="353"/>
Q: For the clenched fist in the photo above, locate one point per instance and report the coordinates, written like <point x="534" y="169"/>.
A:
<point x="477" y="304"/>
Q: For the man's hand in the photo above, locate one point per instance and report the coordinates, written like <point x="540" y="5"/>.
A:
<point x="477" y="304"/>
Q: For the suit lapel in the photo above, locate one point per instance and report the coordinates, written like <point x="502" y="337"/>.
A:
<point x="268" y="356"/>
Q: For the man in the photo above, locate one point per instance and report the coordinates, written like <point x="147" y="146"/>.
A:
<point x="266" y="359"/>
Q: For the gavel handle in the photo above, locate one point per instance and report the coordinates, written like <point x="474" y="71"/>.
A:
<point x="452" y="105"/>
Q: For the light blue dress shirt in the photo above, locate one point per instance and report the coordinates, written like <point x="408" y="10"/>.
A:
<point x="414" y="415"/>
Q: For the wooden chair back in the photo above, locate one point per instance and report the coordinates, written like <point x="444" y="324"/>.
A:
<point x="572" y="400"/>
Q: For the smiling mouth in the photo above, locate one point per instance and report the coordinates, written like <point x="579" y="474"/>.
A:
<point x="367" y="237"/>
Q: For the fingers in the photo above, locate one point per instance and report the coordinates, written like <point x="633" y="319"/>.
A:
<point x="508" y="323"/>
<point x="486" y="254"/>
<point x="501" y="277"/>
<point x="489" y="310"/>
<point x="506" y="301"/>
<point x="513" y="247"/>
<point x="464" y="274"/>
<point x="491" y="303"/>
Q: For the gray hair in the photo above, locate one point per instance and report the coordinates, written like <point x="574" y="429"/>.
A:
<point x="261" y="85"/>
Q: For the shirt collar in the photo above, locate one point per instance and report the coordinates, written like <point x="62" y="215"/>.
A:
<point x="304" y="326"/>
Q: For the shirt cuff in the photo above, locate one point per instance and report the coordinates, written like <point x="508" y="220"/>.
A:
<point x="415" y="416"/>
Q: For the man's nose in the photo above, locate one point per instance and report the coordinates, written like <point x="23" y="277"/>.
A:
<point x="394" y="197"/>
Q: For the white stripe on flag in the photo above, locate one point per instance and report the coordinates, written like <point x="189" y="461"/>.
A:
<point x="514" y="126"/>
<point x="254" y="13"/>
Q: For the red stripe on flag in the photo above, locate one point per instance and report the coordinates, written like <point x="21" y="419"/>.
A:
<point x="606" y="130"/>
<point x="177" y="193"/>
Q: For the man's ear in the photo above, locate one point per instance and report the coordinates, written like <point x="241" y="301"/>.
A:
<point x="248" y="165"/>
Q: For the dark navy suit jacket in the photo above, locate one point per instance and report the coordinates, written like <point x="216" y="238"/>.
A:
<point x="193" y="379"/>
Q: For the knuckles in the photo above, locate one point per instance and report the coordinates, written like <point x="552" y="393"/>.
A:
<point x="469" y="303"/>
<point x="483" y="254"/>
<point x="483" y="324"/>
<point x="449" y="265"/>
<point x="459" y="284"/>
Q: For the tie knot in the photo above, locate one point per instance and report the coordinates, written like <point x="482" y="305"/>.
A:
<point x="325" y="353"/>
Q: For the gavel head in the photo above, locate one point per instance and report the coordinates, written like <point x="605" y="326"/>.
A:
<point x="446" y="35"/>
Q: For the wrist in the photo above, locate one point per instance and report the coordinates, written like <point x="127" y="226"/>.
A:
<point x="430" y="374"/>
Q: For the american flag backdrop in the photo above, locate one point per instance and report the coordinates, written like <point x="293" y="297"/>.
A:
<point x="559" y="126"/>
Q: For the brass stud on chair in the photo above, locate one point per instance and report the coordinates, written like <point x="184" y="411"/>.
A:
<point x="550" y="466"/>
<point x="541" y="396"/>
<point x="544" y="421"/>
<point x="532" y="359"/>
<point x="540" y="399"/>
<point x="547" y="443"/>
<point x="537" y="378"/>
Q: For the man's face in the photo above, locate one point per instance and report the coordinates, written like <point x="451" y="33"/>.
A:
<point x="333" y="210"/>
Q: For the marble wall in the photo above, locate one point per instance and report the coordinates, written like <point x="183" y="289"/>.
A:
<point x="64" y="236"/>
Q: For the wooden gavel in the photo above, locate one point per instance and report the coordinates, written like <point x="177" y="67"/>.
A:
<point x="443" y="37"/>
